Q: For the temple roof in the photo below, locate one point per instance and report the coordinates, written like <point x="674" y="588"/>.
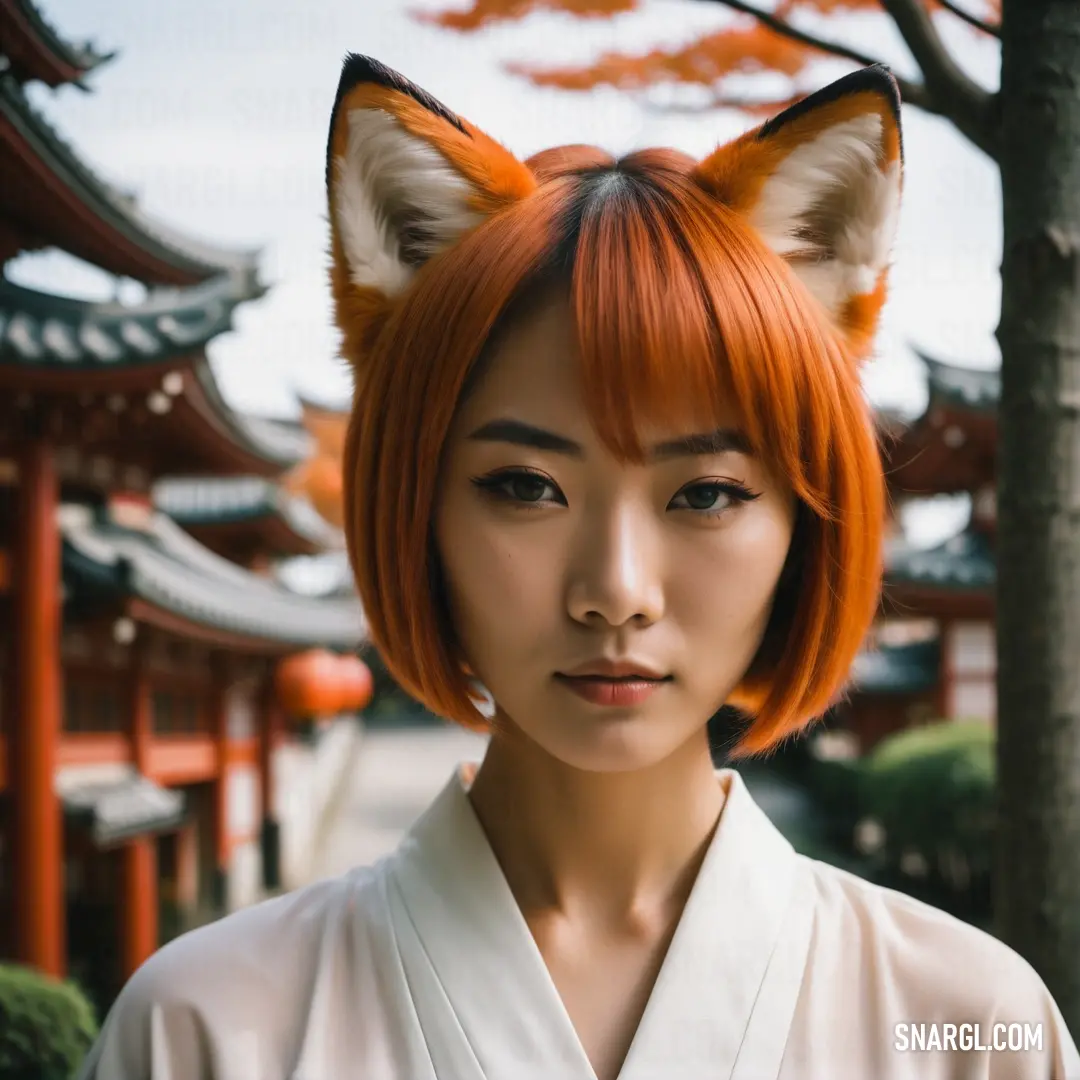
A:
<point x="52" y="199"/>
<point x="327" y="575"/>
<point x="164" y="567"/>
<point x="276" y="442"/>
<point x="41" y="330"/>
<point x="963" y="562"/>
<point x="116" y="808"/>
<point x="952" y="445"/>
<point x="897" y="669"/>
<point x="64" y="347"/>
<point x="961" y="387"/>
<point x="35" y="50"/>
<point x="222" y="501"/>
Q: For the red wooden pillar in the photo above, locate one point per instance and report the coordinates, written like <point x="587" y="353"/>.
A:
<point x="140" y="718"/>
<point x="34" y="731"/>
<point x="139" y="884"/>
<point x="138" y="903"/>
<point x="219" y="720"/>
<point x="270" y="727"/>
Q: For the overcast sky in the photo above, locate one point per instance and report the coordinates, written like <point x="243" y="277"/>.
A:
<point x="215" y="115"/>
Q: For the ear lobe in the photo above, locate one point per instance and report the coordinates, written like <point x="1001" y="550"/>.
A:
<point x="405" y="179"/>
<point x="821" y="183"/>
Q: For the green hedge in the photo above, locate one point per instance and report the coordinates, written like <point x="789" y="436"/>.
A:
<point x="46" y="1026"/>
<point x="932" y="788"/>
<point x="929" y="794"/>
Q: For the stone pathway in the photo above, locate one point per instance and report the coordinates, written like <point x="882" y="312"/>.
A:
<point x="397" y="773"/>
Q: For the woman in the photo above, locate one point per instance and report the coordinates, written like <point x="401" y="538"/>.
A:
<point x="609" y="469"/>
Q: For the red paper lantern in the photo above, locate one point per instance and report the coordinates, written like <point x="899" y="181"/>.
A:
<point x="357" y="683"/>
<point x="310" y="684"/>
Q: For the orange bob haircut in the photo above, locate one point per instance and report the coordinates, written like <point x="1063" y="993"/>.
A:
<point x="753" y="278"/>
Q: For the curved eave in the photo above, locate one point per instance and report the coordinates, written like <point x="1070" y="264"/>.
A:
<point x="269" y="532"/>
<point x="249" y="510"/>
<point x="257" y="445"/>
<point x="35" y="50"/>
<point x="166" y="573"/>
<point x="952" y="446"/>
<point x="52" y="198"/>
<point x="194" y="432"/>
<point x="963" y="564"/>
<point x="952" y="387"/>
<point x="54" y="333"/>
<point x="309" y="405"/>
<point x="897" y="669"/>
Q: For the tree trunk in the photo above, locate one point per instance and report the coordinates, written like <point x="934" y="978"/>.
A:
<point x="1037" y="898"/>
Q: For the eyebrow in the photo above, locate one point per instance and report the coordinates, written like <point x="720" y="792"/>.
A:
<point x="517" y="433"/>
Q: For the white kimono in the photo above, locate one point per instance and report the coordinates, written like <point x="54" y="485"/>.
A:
<point x="422" y="967"/>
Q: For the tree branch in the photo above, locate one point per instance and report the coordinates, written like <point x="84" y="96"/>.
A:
<point x="971" y="20"/>
<point x="781" y="26"/>
<point x="912" y="92"/>
<point x="956" y="96"/>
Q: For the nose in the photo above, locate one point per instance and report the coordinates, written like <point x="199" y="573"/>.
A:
<point x="616" y="576"/>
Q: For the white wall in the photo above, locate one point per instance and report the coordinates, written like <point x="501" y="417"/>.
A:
<point x="971" y="663"/>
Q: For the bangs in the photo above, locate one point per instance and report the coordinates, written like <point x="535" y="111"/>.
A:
<point x="684" y="315"/>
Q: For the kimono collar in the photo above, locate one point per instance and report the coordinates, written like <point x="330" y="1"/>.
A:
<point x="713" y="1010"/>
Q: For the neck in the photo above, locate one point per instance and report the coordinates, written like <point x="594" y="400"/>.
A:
<point x="611" y="847"/>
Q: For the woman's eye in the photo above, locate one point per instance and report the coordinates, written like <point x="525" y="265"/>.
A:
<point x="527" y="488"/>
<point x="703" y="497"/>
<point x="712" y="498"/>
<point x="521" y="487"/>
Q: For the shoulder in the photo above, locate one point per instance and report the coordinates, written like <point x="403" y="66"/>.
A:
<point x="250" y="947"/>
<point x="238" y="988"/>
<point x="926" y="960"/>
<point x="894" y="987"/>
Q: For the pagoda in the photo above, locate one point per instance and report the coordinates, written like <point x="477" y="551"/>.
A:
<point x="250" y="520"/>
<point x="932" y="652"/>
<point x="140" y="516"/>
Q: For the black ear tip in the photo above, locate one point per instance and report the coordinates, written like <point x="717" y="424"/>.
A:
<point x="877" y="78"/>
<point x="886" y="80"/>
<point x="357" y="69"/>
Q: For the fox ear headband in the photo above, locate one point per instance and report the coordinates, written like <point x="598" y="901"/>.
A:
<point x="406" y="178"/>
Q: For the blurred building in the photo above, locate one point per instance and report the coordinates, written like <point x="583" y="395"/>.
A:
<point x="932" y="654"/>
<point x="147" y="775"/>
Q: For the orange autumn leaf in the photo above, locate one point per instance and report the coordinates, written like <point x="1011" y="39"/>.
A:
<point x="739" y="50"/>
<point x="734" y="50"/>
<point x="485" y="12"/>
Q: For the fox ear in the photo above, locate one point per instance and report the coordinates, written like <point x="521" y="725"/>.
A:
<point x="821" y="184"/>
<point x="405" y="179"/>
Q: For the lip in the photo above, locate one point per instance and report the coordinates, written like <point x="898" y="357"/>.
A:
<point x="613" y="669"/>
<point x="612" y="692"/>
<point x="614" y="683"/>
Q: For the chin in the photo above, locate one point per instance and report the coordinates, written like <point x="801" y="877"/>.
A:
<point x="613" y="744"/>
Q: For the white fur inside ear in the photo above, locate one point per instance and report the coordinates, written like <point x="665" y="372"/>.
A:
<point x="832" y="210"/>
<point x="390" y="187"/>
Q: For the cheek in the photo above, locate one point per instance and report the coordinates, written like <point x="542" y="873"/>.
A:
<point x="501" y="579"/>
<point x="726" y="587"/>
